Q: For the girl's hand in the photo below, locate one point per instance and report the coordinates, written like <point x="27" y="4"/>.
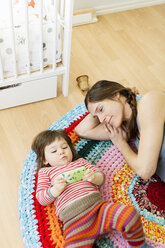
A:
<point x="89" y="176"/>
<point x="116" y="135"/>
<point x="93" y="177"/>
<point x="58" y="186"/>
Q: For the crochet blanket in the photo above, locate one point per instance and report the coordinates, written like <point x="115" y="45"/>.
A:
<point x="40" y="228"/>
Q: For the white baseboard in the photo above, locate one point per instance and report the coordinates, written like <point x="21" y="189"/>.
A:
<point x="111" y="8"/>
<point x="84" y="16"/>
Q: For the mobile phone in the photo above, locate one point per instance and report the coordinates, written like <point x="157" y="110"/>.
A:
<point x="74" y="175"/>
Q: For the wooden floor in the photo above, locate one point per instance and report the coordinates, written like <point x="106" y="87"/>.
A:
<point x="127" y="47"/>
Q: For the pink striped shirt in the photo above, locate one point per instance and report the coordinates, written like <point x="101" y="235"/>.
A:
<point x="73" y="191"/>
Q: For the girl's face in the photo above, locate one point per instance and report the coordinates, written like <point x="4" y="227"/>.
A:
<point x="108" y="111"/>
<point x="58" y="153"/>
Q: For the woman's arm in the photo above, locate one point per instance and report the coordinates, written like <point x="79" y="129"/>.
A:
<point x="91" y="128"/>
<point x="151" y="118"/>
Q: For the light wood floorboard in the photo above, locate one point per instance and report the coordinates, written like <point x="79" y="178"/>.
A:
<point x="128" y="47"/>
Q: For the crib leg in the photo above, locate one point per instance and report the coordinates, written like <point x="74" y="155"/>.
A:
<point x="65" y="83"/>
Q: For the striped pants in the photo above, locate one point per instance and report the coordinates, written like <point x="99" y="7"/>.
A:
<point x="83" y="230"/>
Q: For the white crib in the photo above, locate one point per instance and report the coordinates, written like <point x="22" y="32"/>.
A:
<point x="35" y="45"/>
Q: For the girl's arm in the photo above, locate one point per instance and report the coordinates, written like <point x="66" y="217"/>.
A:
<point x="58" y="187"/>
<point x="151" y="116"/>
<point x="91" y="128"/>
<point x="92" y="174"/>
<point x="43" y="186"/>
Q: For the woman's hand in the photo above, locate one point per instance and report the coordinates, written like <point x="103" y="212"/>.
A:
<point x="58" y="186"/>
<point x="116" y="135"/>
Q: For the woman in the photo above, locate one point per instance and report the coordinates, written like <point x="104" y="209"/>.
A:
<point x="116" y="113"/>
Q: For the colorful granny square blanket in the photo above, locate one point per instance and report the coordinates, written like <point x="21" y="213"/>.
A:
<point x="40" y="227"/>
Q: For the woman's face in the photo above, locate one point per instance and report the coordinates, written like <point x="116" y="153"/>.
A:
<point x="108" y="111"/>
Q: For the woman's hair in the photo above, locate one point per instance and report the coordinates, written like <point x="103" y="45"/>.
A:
<point x="107" y="90"/>
<point x="44" y="139"/>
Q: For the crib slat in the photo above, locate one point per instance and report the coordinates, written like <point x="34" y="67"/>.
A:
<point x="1" y="70"/>
<point x="12" y="37"/>
<point x="67" y="44"/>
<point x="62" y="6"/>
<point x="41" y="35"/>
<point x="27" y="37"/>
<point x="55" y="34"/>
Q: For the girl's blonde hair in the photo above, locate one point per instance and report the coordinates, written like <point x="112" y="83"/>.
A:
<point x="46" y="138"/>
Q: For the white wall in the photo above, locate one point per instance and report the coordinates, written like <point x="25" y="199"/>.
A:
<point x="82" y="4"/>
<point x="108" y="6"/>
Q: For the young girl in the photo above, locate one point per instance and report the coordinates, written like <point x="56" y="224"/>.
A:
<point x="78" y="203"/>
